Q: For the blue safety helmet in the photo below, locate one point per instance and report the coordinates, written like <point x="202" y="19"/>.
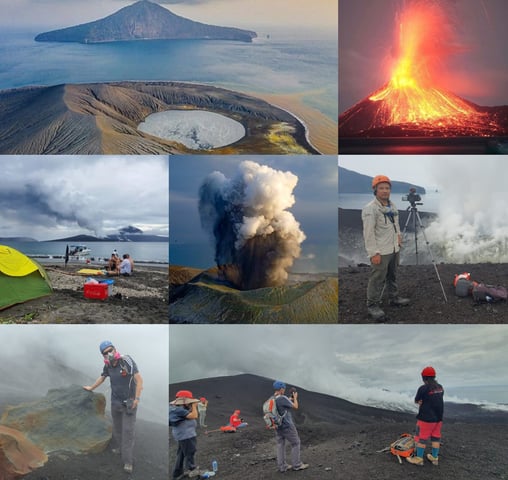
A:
<point x="105" y="344"/>
<point x="278" y="385"/>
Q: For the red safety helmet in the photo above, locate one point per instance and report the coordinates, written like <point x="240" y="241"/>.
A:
<point x="183" y="394"/>
<point x="380" y="179"/>
<point x="428" y="372"/>
<point x="202" y="399"/>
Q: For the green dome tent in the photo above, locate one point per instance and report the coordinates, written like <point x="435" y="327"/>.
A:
<point x="21" y="278"/>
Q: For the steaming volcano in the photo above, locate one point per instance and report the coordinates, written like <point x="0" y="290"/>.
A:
<point x="416" y="101"/>
<point x="256" y="239"/>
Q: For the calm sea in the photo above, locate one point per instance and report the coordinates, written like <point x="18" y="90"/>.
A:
<point x="139" y="251"/>
<point x="277" y="62"/>
<point x="314" y="258"/>
<point x="357" y="201"/>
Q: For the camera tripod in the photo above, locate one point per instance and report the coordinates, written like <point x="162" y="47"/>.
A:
<point x="417" y="223"/>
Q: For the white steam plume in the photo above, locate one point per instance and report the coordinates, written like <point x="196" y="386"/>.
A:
<point x="256" y="238"/>
<point x="472" y="226"/>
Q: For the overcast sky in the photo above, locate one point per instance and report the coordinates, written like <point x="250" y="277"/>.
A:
<point x="315" y="194"/>
<point x="239" y="13"/>
<point x="48" y="197"/>
<point x="354" y="362"/>
<point x="366" y="42"/>
<point x="25" y="350"/>
<point x="441" y="171"/>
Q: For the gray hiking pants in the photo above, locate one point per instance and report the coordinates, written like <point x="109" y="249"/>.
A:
<point x="379" y="274"/>
<point x="202" y="418"/>
<point x="291" y="435"/>
<point x="123" y="431"/>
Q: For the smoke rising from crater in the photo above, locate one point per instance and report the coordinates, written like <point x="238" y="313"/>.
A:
<point x="256" y="238"/>
<point x="472" y="226"/>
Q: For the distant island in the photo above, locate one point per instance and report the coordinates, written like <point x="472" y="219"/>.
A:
<point x="354" y="182"/>
<point x="144" y="20"/>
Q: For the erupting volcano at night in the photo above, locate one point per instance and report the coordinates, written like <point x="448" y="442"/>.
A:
<point x="416" y="101"/>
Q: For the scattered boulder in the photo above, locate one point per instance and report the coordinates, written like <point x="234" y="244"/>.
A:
<point x="18" y="455"/>
<point x="70" y="419"/>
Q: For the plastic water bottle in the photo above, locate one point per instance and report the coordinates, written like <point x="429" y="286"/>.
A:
<point x="208" y="475"/>
<point x="215" y="466"/>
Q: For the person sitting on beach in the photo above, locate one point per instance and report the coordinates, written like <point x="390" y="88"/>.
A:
<point x="236" y="421"/>
<point x="125" y="266"/>
<point x="429" y="397"/>
<point x="183" y="413"/>
<point x="130" y="260"/>
<point x="113" y="265"/>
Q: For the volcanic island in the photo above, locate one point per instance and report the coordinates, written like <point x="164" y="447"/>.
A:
<point x="412" y="112"/>
<point x="145" y="117"/>
<point x="104" y="118"/>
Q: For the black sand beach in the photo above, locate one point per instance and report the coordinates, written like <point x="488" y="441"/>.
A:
<point x="141" y="298"/>
<point x="339" y="439"/>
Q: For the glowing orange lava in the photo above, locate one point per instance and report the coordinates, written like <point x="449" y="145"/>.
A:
<point x="414" y="93"/>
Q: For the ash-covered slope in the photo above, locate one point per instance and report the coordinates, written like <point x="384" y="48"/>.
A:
<point x="206" y="299"/>
<point x="102" y="118"/>
<point x="144" y="20"/>
<point x="339" y="439"/>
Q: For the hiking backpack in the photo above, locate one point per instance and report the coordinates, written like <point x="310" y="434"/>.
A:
<point x="489" y="293"/>
<point x="403" y="447"/>
<point x="271" y="416"/>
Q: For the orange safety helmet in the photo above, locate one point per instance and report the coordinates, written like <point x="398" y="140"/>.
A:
<point x="428" y="372"/>
<point x="380" y="179"/>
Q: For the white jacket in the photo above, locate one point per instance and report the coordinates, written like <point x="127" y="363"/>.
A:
<point x="380" y="234"/>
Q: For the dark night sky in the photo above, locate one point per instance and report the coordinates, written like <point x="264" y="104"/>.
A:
<point x="366" y="33"/>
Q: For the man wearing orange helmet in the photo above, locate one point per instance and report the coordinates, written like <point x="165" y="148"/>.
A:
<point x="429" y="397"/>
<point x="382" y="237"/>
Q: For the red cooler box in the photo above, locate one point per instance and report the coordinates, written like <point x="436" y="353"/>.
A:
<point x="96" y="290"/>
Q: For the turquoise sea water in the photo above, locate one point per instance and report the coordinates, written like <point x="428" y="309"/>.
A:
<point x="287" y="62"/>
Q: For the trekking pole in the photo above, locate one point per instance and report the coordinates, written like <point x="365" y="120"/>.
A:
<point x="212" y="431"/>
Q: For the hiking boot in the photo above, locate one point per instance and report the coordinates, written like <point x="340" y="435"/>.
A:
<point x="286" y="468"/>
<point x="415" y="461"/>
<point x="376" y="313"/>
<point x="193" y="473"/>
<point x="399" y="301"/>
<point x="127" y="468"/>
<point x="302" y="466"/>
<point x="432" y="459"/>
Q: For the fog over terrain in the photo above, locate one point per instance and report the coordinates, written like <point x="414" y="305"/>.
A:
<point x="370" y="365"/>
<point x="36" y="358"/>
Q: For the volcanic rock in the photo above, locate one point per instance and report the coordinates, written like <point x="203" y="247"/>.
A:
<point x="69" y="419"/>
<point x="102" y="118"/>
<point x="18" y="455"/>
<point x="209" y="299"/>
<point x="144" y="20"/>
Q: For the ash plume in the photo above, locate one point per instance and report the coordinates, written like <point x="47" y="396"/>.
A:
<point x="256" y="239"/>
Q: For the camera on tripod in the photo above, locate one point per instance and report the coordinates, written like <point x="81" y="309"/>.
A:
<point x="412" y="197"/>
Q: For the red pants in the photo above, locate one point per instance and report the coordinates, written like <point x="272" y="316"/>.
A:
<point x="426" y="430"/>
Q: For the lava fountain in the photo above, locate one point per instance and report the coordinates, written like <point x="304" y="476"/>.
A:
<point x="415" y="99"/>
